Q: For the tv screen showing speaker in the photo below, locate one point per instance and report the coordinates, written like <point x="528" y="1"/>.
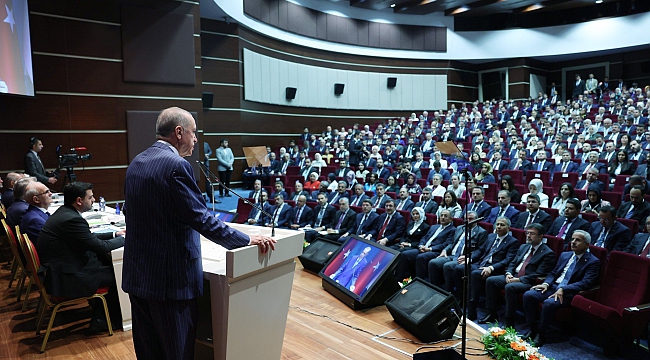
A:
<point x="225" y="216"/>
<point x="358" y="266"/>
<point x="16" y="72"/>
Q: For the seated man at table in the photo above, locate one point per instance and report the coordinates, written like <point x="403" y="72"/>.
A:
<point x="75" y="259"/>
<point x="39" y="198"/>
<point x="323" y="216"/>
<point x="342" y="221"/>
<point x="19" y="207"/>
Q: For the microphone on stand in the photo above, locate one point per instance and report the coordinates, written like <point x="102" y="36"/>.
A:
<point x="209" y="174"/>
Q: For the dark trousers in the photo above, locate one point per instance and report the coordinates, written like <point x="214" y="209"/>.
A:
<point x="164" y="329"/>
<point x="498" y="282"/>
<point x="438" y="269"/>
<point x="532" y="298"/>
<point x="224" y="176"/>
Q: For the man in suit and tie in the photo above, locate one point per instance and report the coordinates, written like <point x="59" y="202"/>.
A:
<point x="342" y="221"/>
<point x="437" y="169"/>
<point x="637" y="208"/>
<point x="427" y="145"/>
<point x="298" y="191"/>
<point x="533" y="259"/>
<point x="341" y="191"/>
<point x="343" y="169"/>
<point x="364" y="224"/>
<point x="8" y="195"/>
<point x="307" y="169"/>
<point x="592" y="162"/>
<point x="19" y="207"/>
<point x="591" y="180"/>
<point x="257" y="191"/>
<point x="575" y="271"/>
<point x="419" y="162"/>
<point x="278" y="189"/>
<point x="347" y="274"/>
<point x="75" y="259"/>
<point x="280" y="213"/>
<point x="39" y="198"/>
<point x="542" y="164"/>
<point x="478" y="204"/>
<point x="609" y="233"/>
<point x="497" y="162"/>
<point x="162" y="270"/>
<point x="359" y="195"/>
<point x="257" y="216"/>
<point x="415" y="261"/>
<point x="639" y="245"/>
<point x="533" y="215"/>
<point x="520" y="162"/>
<point x="566" y="165"/>
<point x="355" y="148"/>
<point x="504" y="208"/>
<point x="610" y="152"/>
<point x="33" y="164"/>
<point x="391" y="225"/>
<point x="379" y="200"/>
<point x="579" y="87"/>
<point x="323" y="217"/>
<point x="301" y="214"/>
<point x="380" y="170"/>
<point x="429" y="205"/>
<point x="404" y="201"/>
<point x="564" y="226"/>
<point x="497" y="149"/>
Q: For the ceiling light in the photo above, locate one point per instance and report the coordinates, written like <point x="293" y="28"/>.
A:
<point x="460" y="10"/>
<point x="599" y="1"/>
<point x="533" y="7"/>
<point x="392" y="5"/>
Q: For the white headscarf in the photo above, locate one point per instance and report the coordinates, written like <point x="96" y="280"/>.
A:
<point x="420" y="211"/>
<point x="538" y="184"/>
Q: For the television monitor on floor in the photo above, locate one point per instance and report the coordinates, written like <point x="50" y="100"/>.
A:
<point x="225" y="216"/>
<point x="360" y="273"/>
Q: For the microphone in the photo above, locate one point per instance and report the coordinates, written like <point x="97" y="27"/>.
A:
<point x="209" y="174"/>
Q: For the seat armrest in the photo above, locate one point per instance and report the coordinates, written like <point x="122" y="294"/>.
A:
<point x="642" y="307"/>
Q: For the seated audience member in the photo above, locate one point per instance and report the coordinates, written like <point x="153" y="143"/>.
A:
<point x="436" y="188"/>
<point x="257" y="217"/>
<point x="361" y="173"/>
<point x="429" y="205"/>
<point x="8" y="194"/>
<point x="636" y="180"/>
<point x="322" y="189"/>
<point x="323" y="217"/>
<point x="343" y="169"/>
<point x="371" y="184"/>
<point x="341" y="191"/>
<point x="390" y="225"/>
<point x="404" y="201"/>
<point x="456" y="186"/>
<point x="307" y="170"/>
<point x="278" y="189"/>
<point x="453" y="254"/>
<point x="280" y="214"/>
<point x="301" y="214"/>
<point x="334" y="184"/>
<point x="75" y="259"/>
<point x="415" y="230"/>
<point x="364" y="224"/>
<point x="256" y="192"/>
<point x="478" y="204"/>
<point x="497" y="163"/>
<point x="566" y="192"/>
<point x="620" y="165"/>
<point x="592" y="162"/>
<point x="359" y="195"/>
<point x="566" y="165"/>
<point x="594" y="201"/>
<point x="450" y="203"/>
<point x="534" y="259"/>
<point x="18" y="208"/>
<point x="415" y="261"/>
<point x="575" y="271"/>
<point x="298" y="190"/>
<point x="313" y="184"/>
<point x="637" y="208"/>
<point x="536" y="186"/>
<point x="508" y="184"/>
<point x="392" y="185"/>
<point x="380" y="199"/>
<point x="381" y="171"/>
<point x="342" y="221"/>
<point x="503" y="209"/>
<point x="437" y="169"/>
<point x="520" y="163"/>
<point x="411" y="184"/>
<point x="592" y="180"/>
<point x="533" y="214"/>
<point x="490" y="259"/>
<point x="609" y="233"/>
<point x="39" y="198"/>
<point x="485" y="175"/>
<point x="639" y="244"/>
<point x="564" y="226"/>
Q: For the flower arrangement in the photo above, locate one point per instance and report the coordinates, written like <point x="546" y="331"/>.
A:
<point x="405" y="282"/>
<point x="506" y="344"/>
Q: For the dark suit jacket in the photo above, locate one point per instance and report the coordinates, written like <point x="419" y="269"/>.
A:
<point x="637" y="244"/>
<point x="641" y="212"/>
<point x="598" y="183"/>
<point x="408" y="204"/>
<point x="355" y="148"/>
<point x="572" y="167"/>
<point x="548" y="166"/>
<point x="600" y="166"/>
<point x="283" y="216"/>
<point x="525" y="165"/>
<point x="503" y="255"/>
<point x="327" y="216"/>
<point x="482" y="211"/>
<point x="414" y="239"/>
<point x="394" y="229"/>
<point x="33" y="222"/>
<point x="368" y="227"/>
<point x="511" y="214"/>
<point x="16" y="212"/>
<point x="539" y="265"/>
<point x="263" y="219"/>
<point x="382" y="202"/>
<point x="578" y="89"/>
<point x="362" y="197"/>
<point x="383" y="173"/>
<point x="68" y="251"/>
<point x="618" y="237"/>
<point x="584" y="276"/>
<point x="477" y="234"/>
<point x="295" y="195"/>
<point x="307" y="216"/>
<point x="431" y="208"/>
<point x="337" y="195"/>
<point x="346" y="224"/>
<point x="8" y="198"/>
<point x="443" y="239"/>
<point x="502" y="165"/>
<point x="542" y="218"/>
<point x="577" y="224"/>
<point x="162" y="256"/>
<point x="34" y="167"/>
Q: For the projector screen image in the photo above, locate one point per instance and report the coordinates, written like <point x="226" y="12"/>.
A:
<point x="16" y="74"/>
<point x="358" y="265"/>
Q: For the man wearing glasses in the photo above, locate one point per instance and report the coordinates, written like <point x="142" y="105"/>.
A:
<point x="609" y="232"/>
<point x="640" y="245"/>
<point x="39" y="198"/>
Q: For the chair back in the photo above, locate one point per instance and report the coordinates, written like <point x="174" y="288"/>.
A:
<point x="13" y="244"/>
<point x="625" y="282"/>
<point x="601" y="253"/>
<point x="3" y="210"/>
<point x="33" y="263"/>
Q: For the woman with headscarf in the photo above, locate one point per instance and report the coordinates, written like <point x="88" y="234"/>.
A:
<point x="412" y="186"/>
<point x="536" y="186"/>
<point x="415" y="230"/>
<point x="485" y="175"/>
<point x="350" y="179"/>
<point x="318" y="161"/>
<point x="594" y="200"/>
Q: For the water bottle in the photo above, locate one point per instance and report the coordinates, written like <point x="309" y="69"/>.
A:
<point x="117" y="208"/>
<point x="102" y="204"/>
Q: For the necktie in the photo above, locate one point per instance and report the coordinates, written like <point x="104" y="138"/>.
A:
<point x="493" y="249"/>
<point x="539" y="166"/>
<point x="338" y="224"/>
<point x="361" y="223"/>
<point x="356" y="201"/>
<point x="401" y="205"/>
<point x="565" y="166"/>
<point x="277" y="215"/>
<point x="256" y="196"/>
<point x="522" y="269"/>
<point x="630" y="212"/>
<point x="319" y="218"/>
<point x="298" y="214"/>
<point x="646" y="250"/>
<point x="458" y="249"/>
<point x="334" y="199"/>
<point x="383" y="228"/>
<point x="501" y="212"/>
<point x="378" y="201"/>
<point x="530" y="220"/>
<point x="586" y="185"/>
<point x="569" y="272"/>
<point x="601" y="238"/>
<point x="563" y="229"/>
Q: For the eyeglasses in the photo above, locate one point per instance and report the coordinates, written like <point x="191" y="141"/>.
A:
<point x="44" y="192"/>
<point x="531" y="233"/>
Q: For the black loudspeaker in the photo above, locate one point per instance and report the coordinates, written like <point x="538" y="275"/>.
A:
<point x="392" y="82"/>
<point x="207" y="99"/>
<point x="291" y="93"/>
<point x="445" y="354"/>
<point x="316" y="255"/>
<point x="425" y="310"/>
<point x="338" y="89"/>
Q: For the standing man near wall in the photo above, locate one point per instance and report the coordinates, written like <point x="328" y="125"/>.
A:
<point x="34" y="165"/>
<point x="162" y="253"/>
<point x="225" y="158"/>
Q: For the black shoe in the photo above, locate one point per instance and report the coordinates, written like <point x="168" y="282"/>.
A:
<point x="471" y="311"/>
<point x="96" y="326"/>
<point x="490" y="318"/>
<point x="539" y="340"/>
<point x="228" y="195"/>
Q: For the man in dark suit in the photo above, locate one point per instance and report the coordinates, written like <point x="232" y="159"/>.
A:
<point x="504" y="208"/>
<point x="440" y="269"/>
<point x="364" y="224"/>
<point x="608" y="232"/>
<point x="323" y="217"/>
<point x="280" y="213"/>
<point x="274" y="165"/>
<point x="533" y="215"/>
<point x="566" y="165"/>
<point x="481" y="207"/>
<point x="39" y="198"/>
<point x="301" y="214"/>
<point x="637" y="208"/>
<point x="298" y="190"/>
<point x="542" y="164"/>
<point x="278" y="189"/>
<point x="381" y="170"/>
<point x="343" y="169"/>
<point x="564" y="226"/>
<point x="257" y="216"/>
<point x="575" y="271"/>
<point x="404" y="201"/>
<point x="592" y="180"/>
<point x="497" y="163"/>
<point x="342" y="221"/>
<point x="429" y="205"/>
<point x="639" y="245"/>
<point x="490" y="259"/>
<point x="592" y="162"/>
<point x="19" y="207"/>
<point x="534" y="259"/>
<point x="416" y="261"/>
<point x="520" y="163"/>
<point x="341" y="191"/>
<point x="257" y="191"/>
<point x="359" y="195"/>
<point x="33" y="164"/>
<point x="355" y="148"/>
<point x="162" y="259"/>
<point x="74" y="258"/>
<point x="379" y="200"/>
<point x="579" y="87"/>
<point x="8" y="195"/>
<point x="390" y="225"/>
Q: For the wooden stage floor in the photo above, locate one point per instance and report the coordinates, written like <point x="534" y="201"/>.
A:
<point x="307" y="336"/>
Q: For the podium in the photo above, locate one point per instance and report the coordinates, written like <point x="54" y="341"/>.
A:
<point x="246" y="294"/>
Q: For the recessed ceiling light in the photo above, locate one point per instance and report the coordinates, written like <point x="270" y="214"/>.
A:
<point x="392" y="5"/>
<point x="461" y="9"/>
<point x="599" y="1"/>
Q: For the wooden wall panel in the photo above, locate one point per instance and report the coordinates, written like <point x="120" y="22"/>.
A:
<point x="221" y="71"/>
